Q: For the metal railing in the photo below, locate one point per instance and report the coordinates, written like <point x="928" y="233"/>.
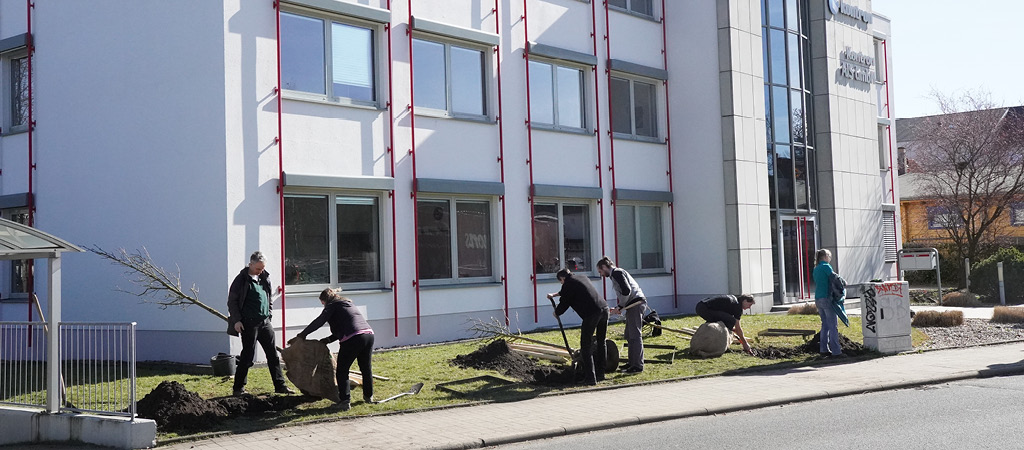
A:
<point x="23" y="363"/>
<point x="97" y="366"/>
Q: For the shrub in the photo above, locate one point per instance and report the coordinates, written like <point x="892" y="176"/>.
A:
<point x="938" y="319"/>
<point x="985" y="277"/>
<point x="1008" y="314"/>
<point x="961" y="299"/>
<point x="806" y="309"/>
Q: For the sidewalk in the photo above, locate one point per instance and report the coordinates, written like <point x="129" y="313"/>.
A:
<point x="549" y="416"/>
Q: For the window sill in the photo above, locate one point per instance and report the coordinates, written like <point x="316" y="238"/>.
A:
<point x="315" y="290"/>
<point x="649" y="274"/>
<point x="14" y="132"/>
<point x="551" y="129"/>
<point x="321" y="100"/>
<point x="634" y="138"/>
<point x="635" y="14"/>
<point x="431" y="287"/>
<point x="15" y="298"/>
<point x="444" y="115"/>
<point x="550" y="277"/>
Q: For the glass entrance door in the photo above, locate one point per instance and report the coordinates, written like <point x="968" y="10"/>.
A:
<point x="798" y="238"/>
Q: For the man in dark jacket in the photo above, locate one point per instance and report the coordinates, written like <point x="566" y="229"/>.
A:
<point x="249" y="306"/>
<point x="578" y="293"/>
<point x="727" y="309"/>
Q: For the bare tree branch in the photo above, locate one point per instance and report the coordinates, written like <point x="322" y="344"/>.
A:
<point x="154" y="284"/>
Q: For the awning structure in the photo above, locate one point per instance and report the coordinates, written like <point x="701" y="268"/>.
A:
<point x="19" y="241"/>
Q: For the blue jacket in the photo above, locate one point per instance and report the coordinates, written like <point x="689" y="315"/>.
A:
<point x="828" y="284"/>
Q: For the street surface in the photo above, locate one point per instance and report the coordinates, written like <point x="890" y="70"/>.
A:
<point x="980" y="413"/>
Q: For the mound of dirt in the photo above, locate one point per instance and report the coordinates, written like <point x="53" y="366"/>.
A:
<point x="175" y="408"/>
<point x="811" y="347"/>
<point x="498" y="356"/>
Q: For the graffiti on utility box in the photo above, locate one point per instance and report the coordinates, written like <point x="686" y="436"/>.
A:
<point x="870" y="309"/>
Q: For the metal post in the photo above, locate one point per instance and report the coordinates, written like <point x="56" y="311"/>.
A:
<point x="1002" y="289"/>
<point x="967" y="274"/>
<point x="938" y="274"/>
<point x="53" y="400"/>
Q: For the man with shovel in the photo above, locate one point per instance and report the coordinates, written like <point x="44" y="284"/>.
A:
<point x="578" y="293"/>
<point x="631" y="304"/>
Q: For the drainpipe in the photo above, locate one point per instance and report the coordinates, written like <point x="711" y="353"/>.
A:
<point x="529" y="161"/>
<point x="501" y="163"/>
<point x="668" y="144"/>
<point x="412" y="154"/>
<point x="391" y="194"/>
<point x="30" y="283"/>
<point x="611" y="133"/>
<point x="597" y="134"/>
<point x="280" y="169"/>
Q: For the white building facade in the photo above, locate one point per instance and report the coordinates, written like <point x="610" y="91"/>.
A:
<point x="524" y="137"/>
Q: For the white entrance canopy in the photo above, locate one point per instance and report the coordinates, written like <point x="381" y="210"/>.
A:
<point x="19" y="241"/>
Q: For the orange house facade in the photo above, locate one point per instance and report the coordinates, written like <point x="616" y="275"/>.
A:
<point x="924" y="222"/>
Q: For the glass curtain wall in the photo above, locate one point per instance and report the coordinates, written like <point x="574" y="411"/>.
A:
<point x="787" y="101"/>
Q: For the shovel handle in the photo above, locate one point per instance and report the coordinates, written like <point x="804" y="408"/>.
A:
<point x="560" y="327"/>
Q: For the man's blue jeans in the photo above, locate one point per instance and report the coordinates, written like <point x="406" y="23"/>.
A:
<point x="829" y="326"/>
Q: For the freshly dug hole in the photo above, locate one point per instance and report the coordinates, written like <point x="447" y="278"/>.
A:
<point x="811" y="347"/>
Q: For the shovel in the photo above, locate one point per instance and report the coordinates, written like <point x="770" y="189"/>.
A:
<point x="415" y="389"/>
<point x="561" y="328"/>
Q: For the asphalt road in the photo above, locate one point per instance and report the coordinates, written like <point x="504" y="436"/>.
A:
<point x="972" y="414"/>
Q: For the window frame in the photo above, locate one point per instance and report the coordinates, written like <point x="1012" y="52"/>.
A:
<point x="585" y="94"/>
<point x="7" y="96"/>
<point x="656" y="118"/>
<point x="453" y="200"/>
<point x="328" y="96"/>
<point x="1016" y="208"/>
<point x="629" y="9"/>
<point x="8" y="266"/>
<point x="332" y="239"/>
<point x="487" y="73"/>
<point x="934" y="212"/>
<point x="636" y="237"/>
<point x="561" y="203"/>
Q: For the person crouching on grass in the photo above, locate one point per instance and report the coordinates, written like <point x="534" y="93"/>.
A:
<point x="579" y="293"/>
<point x="356" y="342"/>
<point x="727" y="309"/>
<point x="631" y="304"/>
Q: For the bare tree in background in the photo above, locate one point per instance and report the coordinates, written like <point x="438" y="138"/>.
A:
<point x="971" y="163"/>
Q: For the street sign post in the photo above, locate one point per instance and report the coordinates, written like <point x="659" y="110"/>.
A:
<point x="921" y="259"/>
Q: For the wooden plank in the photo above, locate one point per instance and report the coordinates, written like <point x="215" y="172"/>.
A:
<point x="540" y="349"/>
<point x="540" y="355"/>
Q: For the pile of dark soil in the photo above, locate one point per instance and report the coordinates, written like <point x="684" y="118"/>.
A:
<point x="175" y="408"/>
<point x="811" y="347"/>
<point x="498" y="356"/>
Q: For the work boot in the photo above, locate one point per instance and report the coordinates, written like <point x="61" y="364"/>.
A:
<point x="633" y="369"/>
<point x="282" y="389"/>
<point x="238" y="392"/>
<point x="341" y="406"/>
<point x="369" y="399"/>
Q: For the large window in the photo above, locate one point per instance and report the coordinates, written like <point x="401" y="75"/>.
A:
<point x="940" y="217"/>
<point x="15" y="91"/>
<point x="561" y="237"/>
<point x="449" y="78"/>
<point x="329" y="58"/>
<point x="464" y="239"/>
<point x="640" y="237"/>
<point x="787" y="96"/>
<point x="332" y="239"/>
<point x="556" y="96"/>
<point x="633" y="104"/>
<point x="1017" y="214"/>
<point x="643" y="7"/>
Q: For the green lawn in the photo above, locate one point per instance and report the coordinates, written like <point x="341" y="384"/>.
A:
<point x="430" y="365"/>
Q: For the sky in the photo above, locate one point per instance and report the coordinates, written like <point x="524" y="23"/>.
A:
<point x="951" y="46"/>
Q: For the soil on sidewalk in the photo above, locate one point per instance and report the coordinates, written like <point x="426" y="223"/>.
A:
<point x="175" y="408"/>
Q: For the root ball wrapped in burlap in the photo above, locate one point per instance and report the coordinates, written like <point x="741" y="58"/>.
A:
<point x="311" y="368"/>
<point x="711" y="340"/>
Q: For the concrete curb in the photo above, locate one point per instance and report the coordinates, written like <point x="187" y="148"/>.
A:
<point x="1011" y="369"/>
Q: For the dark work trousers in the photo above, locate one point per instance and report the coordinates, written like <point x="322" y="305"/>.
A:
<point x="263" y="332"/>
<point x="710" y="315"/>
<point x="357" y="348"/>
<point x="634" y="337"/>
<point x="592" y="357"/>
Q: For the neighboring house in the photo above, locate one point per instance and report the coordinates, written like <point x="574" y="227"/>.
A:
<point x="453" y="191"/>
<point x="925" y="222"/>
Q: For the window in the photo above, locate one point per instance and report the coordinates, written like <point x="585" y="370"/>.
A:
<point x="643" y="7"/>
<point x="940" y="217"/>
<point x="464" y="239"/>
<point x="15" y="89"/>
<point x="449" y="78"/>
<point x="561" y="237"/>
<point x="18" y="271"/>
<point x="883" y="148"/>
<point x="339" y="247"/>
<point x="889" y="235"/>
<point x="556" y="96"/>
<point x="640" y="237"/>
<point x="329" y="58"/>
<point x="633" y="103"/>
<point x="879" y="61"/>
<point x="1017" y="214"/>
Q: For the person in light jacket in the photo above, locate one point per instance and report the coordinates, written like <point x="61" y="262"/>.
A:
<point x="829" y="336"/>
<point x="631" y="304"/>
<point x="356" y="342"/>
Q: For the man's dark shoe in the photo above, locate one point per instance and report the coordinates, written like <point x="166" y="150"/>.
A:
<point x="342" y="406"/>
<point x="369" y="400"/>
<point x="625" y="366"/>
<point x="283" y="390"/>
<point x="600" y="378"/>
<point x="633" y="370"/>
<point x="238" y="392"/>
<point x="587" y="383"/>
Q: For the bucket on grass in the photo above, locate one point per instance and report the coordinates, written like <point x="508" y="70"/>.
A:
<point x="223" y="365"/>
